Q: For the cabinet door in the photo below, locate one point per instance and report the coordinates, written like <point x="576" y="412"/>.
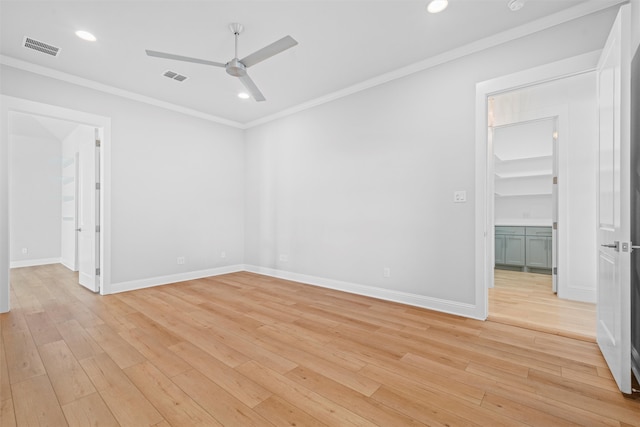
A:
<point x="499" y="247"/>
<point x="514" y="250"/>
<point x="538" y="251"/>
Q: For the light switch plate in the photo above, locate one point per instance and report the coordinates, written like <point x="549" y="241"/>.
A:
<point x="459" y="196"/>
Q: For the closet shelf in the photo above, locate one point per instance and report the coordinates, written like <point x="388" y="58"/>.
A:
<point x="524" y="195"/>
<point x="523" y="174"/>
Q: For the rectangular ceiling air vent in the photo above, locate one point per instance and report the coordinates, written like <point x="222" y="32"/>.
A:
<point x="175" y="76"/>
<point x="34" y="44"/>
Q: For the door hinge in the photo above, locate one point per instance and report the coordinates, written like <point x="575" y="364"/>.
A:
<point x="555" y="225"/>
<point x="97" y="143"/>
<point x="555" y="179"/>
<point x="97" y="228"/>
<point x="555" y="271"/>
<point x="97" y="271"/>
<point x="97" y="185"/>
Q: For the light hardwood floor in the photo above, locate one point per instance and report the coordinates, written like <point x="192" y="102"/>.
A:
<point x="527" y="300"/>
<point x="247" y="350"/>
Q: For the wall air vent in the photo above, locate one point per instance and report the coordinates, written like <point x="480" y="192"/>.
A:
<point x="175" y="76"/>
<point x="34" y="44"/>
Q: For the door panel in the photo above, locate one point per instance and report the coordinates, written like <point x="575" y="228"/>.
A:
<point x="87" y="215"/>
<point x="613" y="307"/>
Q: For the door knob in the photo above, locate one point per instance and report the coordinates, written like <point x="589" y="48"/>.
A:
<point x="78" y="229"/>
<point x="615" y="245"/>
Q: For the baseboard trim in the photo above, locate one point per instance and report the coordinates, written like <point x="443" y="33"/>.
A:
<point x="34" y="262"/>
<point x="436" y="304"/>
<point x="133" y="285"/>
<point x="577" y="294"/>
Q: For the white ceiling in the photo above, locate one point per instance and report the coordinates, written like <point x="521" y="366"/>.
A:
<point x="341" y="43"/>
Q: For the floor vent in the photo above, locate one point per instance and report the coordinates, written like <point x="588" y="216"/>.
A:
<point x="175" y="76"/>
<point x="34" y="44"/>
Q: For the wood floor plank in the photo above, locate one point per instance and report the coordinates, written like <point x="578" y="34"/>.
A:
<point x="245" y="349"/>
<point x="35" y="403"/>
<point x="69" y="380"/>
<point x="118" y="349"/>
<point x="523" y="413"/>
<point x="173" y="403"/>
<point x="23" y="359"/>
<point x="42" y="328"/>
<point x="366" y="408"/>
<point x="5" y="384"/>
<point x="319" y="407"/>
<point x="156" y="353"/>
<point x="128" y="405"/>
<point x="89" y="411"/>
<point x="282" y="413"/>
<point x="527" y="300"/>
<point x="233" y="382"/>
<point x="226" y="409"/>
<point x="78" y="339"/>
<point x="7" y="414"/>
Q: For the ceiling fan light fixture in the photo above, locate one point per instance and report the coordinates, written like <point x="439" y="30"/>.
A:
<point x="437" y="6"/>
<point x="85" y="35"/>
<point x="244" y="95"/>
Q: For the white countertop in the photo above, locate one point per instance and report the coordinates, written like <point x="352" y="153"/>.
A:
<point x="523" y="223"/>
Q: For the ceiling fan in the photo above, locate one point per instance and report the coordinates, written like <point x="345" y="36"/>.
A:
<point x="238" y="67"/>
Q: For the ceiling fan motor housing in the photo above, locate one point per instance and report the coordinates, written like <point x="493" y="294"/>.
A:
<point x="236" y="68"/>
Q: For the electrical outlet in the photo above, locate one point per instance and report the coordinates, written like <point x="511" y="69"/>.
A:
<point x="459" y="196"/>
<point x="223" y="254"/>
<point x="284" y="257"/>
<point x="386" y="272"/>
<point x="181" y="260"/>
<point x="25" y="251"/>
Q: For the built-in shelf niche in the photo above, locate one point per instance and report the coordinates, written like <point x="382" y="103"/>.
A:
<point x="523" y="173"/>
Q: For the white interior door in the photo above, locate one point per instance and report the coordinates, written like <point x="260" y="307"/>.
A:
<point x="88" y="215"/>
<point x="613" y="298"/>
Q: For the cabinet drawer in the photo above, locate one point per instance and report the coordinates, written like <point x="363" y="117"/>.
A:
<point x="538" y="231"/>
<point x="515" y="231"/>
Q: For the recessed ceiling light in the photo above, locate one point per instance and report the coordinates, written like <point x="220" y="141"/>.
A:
<point x="436" y="6"/>
<point x="243" y="95"/>
<point x="85" y="35"/>
<point x="515" y="5"/>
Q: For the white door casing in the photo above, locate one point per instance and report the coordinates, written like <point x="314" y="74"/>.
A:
<point x="613" y="202"/>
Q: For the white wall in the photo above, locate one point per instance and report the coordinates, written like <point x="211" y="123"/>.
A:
<point x="366" y="182"/>
<point x="35" y="199"/>
<point x="177" y="183"/>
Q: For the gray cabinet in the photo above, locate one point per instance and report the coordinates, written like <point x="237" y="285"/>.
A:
<point x="499" y="247"/>
<point x="514" y="250"/>
<point x="538" y="250"/>
<point x="510" y="246"/>
<point x="523" y="247"/>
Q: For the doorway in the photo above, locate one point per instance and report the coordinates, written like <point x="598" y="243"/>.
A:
<point x="552" y="91"/>
<point x="11" y="105"/>
<point x="548" y="131"/>
<point x="53" y="215"/>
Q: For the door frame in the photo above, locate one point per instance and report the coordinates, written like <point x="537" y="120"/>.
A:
<point x="484" y="218"/>
<point x="13" y="104"/>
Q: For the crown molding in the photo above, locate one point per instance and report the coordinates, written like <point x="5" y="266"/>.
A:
<point x="538" y="25"/>
<point x="112" y="90"/>
<point x="575" y="12"/>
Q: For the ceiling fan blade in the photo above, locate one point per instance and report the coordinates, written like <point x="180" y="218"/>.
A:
<point x="268" y="51"/>
<point x="183" y="58"/>
<point x="252" y="88"/>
